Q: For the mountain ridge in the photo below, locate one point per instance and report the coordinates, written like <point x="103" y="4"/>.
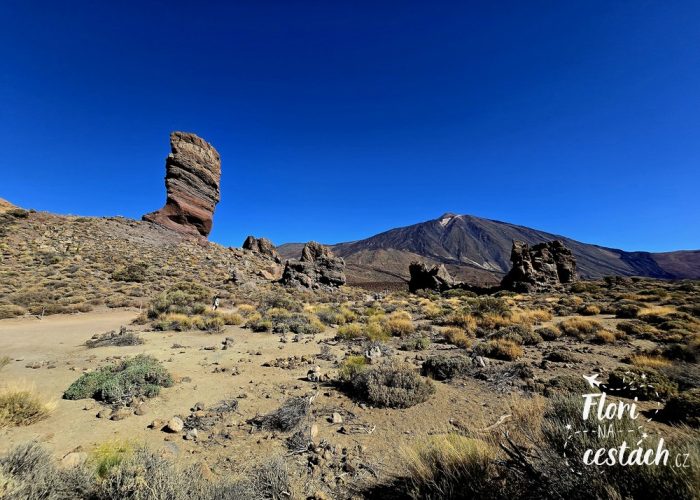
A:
<point x="478" y="250"/>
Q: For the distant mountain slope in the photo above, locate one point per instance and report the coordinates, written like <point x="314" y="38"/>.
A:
<point x="478" y="250"/>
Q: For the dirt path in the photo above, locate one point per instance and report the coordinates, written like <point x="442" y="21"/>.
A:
<point x="56" y="345"/>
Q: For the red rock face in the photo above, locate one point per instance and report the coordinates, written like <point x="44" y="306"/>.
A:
<point x="192" y="175"/>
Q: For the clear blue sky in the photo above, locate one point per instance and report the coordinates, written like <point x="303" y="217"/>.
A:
<point x="337" y="120"/>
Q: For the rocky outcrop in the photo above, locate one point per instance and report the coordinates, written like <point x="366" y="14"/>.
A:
<point x="542" y="267"/>
<point x="262" y="246"/>
<point x="192" y="175"/>
<point x="317" y="268"/>
<point x="431" y="278"/>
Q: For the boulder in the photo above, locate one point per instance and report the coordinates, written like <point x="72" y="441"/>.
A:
<point x="263" y="247"/>
<point x="434" y="278"/>
<point x="541" y="267"/>
<point x="192" y="176"/>
<point x="175" y="424"/>
<point x="317" y="268"/>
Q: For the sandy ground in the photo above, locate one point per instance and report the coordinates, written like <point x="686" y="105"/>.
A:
<point x="56" y="343"/>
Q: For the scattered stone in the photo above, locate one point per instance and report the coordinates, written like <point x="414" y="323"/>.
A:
<point x="175" y="425"/>
<point x="142" y="409"/>
<point x="336" y="418"/>
<point x="314" y="375"/>
<point x="120" y="414"/>
<point x="191" y="435"/>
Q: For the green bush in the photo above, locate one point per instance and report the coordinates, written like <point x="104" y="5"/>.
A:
<point x="183" y="298"/>
<point x="139" y="376"/>
<point x="132" y="273"/>
<point x="443" y="367"/>
<point x="391" y="385"/>
<point x="683" y="408"/>
<point x="644" y="383"/>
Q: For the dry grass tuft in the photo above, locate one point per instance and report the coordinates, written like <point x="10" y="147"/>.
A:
<point x="20" y="405"/>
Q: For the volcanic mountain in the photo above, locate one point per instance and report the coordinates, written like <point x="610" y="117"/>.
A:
<point x="478" y="250"/>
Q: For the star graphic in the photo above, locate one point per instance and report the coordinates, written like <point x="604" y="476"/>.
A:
<point x="644" y="376"/>
<point x="645" y="435"/>
<point x="568" y="427"/>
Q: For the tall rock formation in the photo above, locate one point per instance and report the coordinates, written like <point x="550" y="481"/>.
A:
<point x="542" y="267"/>
<point x="262" y="246"/>
<point x="192" y="175"/>
<point x="317" y="268"/>
<point x="435" y="278"/>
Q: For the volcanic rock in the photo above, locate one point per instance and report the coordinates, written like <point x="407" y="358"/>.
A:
<point x="542" y="267"/>
<point x="435" y="278"/>
<point x="192" y="175"/>
<point x="317" y="268"/>
<point x="262" y="246"/>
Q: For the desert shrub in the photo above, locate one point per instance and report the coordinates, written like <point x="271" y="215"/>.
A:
<point x="520" y="334"/>
<point x="681" y="352"/>
<point x="490" y="305"/>
<point x="11" y="311"/>
<point x="416" y="344"/>
<point x="463" y="320"/>
<point x="4" y="361"/>
<point x="567" y="385"/>
<point x="259" y="324"/>
<point x="350" y="368"/>
<point x="584" y="286"/>
<point x="123" y="337"/>
<point x="579" y="327"/>
<point x="627" y="311"/>
<point x="351" y="331"/>
<point x="22" y="406"/>
<point x="637" y="329"/>
<point x="28" y="471"/>
<point x="548" y="333"/>
<point x="133" y="273"/>
<point x="280" y="299"/>
<point x="589" y="310"/>
<point x="649" y="361"/>
<point x="109" y="455"/>
<point x="499" y="349"/>
<point x="530" y="316"/>
<point x="398" y="324"/>
<point x="231" y="318"/>
<point x="683" y="408"/>
<point x="139" y="376"/>
<point x="246" y="310"/>
<point x="212" y="324"/>
<point x="451" y="466"/>
<point x="492" y="321"/>
<point x="644" y="383"/>
<point x="432" y="310"/>
<point x="561" y="356"/>
<point x="183" y="298"/>
<point x="603" y="337"/>
<point x="391" y="385"/>
<point x="331" y="315"/>
<point x="443" y="367"/>
<point x="457" y="336"/>
<point x="287" y="417"/>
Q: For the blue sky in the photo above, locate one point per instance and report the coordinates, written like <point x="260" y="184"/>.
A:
<point x="338" y="120"/>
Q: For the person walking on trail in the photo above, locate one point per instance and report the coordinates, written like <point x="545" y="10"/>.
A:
<point x="215" y="305"/>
